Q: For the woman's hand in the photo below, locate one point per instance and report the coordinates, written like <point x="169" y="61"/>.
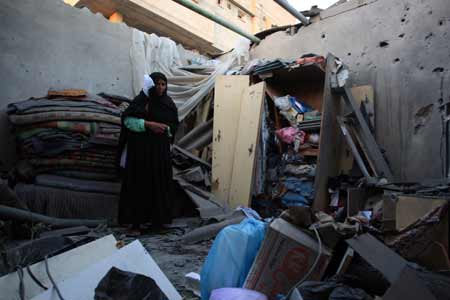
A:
<point x="156" y="127"/>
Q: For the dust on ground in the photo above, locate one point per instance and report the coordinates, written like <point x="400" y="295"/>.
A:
<point x="174" y="257"/>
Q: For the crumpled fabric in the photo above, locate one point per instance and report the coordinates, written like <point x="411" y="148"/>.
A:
<point x="301" y="170"/>
<point x="300" y="192"/>
<point x="291" y="135"/>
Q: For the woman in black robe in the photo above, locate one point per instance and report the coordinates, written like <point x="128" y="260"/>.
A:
<point x="147" y="177"/>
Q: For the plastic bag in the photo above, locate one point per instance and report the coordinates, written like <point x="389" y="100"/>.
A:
<point x="122" y="285"/>
<point x="231" y="256"/>
<point x="283" y="103"/>
<point x="236" y="294"/>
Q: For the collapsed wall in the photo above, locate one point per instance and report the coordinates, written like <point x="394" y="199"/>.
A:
<point x="402" y="49"/>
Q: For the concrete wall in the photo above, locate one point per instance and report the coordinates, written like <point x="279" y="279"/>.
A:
<point x="402" y="48"/>
<point x="168" y="18"/>
<point x="47" y="44"/>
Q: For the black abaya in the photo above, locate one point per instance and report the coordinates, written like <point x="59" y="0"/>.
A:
<point x="147" y="182"/>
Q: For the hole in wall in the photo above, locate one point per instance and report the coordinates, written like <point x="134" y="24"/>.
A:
<point x="403" y="20"/>
<point x="438" y="70"/>
<point x="349" y="54"/>
<point x="396" y="60"/>
<point x="384" y="44"/>
<point x="323" y="35"/>
<point x="429" y="35"/>
<point x="401" y="35"/>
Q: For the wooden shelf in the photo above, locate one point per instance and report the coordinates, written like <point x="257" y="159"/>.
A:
<point x="309" y="152"/>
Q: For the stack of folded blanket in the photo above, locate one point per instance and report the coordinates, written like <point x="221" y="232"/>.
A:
<point x="71" y="136"/>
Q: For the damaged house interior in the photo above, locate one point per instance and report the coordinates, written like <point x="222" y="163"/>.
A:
<point x="225" y="149"/>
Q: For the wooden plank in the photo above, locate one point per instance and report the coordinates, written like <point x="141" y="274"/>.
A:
<point x="309" y="152"/>
<point x="67" y="93"/>
<point x="246" y="144"/>
<point x="379" y="256"/>
<point x="409" y="209"/>
<point x="327" y="162"/>
<point x="363" y="94"/>
<point x="227" y="107"/>
<point x="409" y="286"/>
<point x="367" y="137"/>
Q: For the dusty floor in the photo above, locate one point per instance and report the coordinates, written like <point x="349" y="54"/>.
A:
<point x="174" y="257"/>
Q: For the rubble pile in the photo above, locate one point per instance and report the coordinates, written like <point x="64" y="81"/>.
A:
<point x="325" y="220"/>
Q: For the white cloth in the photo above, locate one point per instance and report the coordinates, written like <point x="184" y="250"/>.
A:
<point x="150" y="52"/>
<point x="148" y="84"/>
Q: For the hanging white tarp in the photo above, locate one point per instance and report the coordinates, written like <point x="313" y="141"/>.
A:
<point x="188" y="85"/>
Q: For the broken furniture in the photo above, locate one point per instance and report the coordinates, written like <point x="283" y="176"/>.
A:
<point x="293" y="110"/>
<point x="237" y="119"/>
<point x="344" y="119"/>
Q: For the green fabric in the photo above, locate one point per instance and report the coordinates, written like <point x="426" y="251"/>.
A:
<point x="135" y="124"/>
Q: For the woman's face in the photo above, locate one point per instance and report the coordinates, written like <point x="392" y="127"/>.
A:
<point x="160" y="87"/>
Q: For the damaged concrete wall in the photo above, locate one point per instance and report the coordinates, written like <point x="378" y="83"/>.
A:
<point x="401" y="48"/>
<point x="47" y="44"/>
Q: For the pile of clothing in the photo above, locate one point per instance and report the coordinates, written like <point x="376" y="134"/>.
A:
<point x="71" y="136"/>
<point x="69" y="140"/>
<point x="298" y="163"/>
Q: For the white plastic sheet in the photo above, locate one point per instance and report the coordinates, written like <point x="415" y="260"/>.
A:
<point x="151" y="53"/>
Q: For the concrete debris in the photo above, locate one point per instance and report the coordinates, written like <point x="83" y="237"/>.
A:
<point x="210" y="231"/>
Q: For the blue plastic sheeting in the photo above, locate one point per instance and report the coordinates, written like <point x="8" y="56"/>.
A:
<point x="299" y="106"/>
<point x="300" y="192"/>
<point x="231" y="256"/>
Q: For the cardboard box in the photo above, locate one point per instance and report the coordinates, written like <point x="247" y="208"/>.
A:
<point x="286" y="255"/>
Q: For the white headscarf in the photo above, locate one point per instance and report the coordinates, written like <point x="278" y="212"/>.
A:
<point x="148" y="84"/>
